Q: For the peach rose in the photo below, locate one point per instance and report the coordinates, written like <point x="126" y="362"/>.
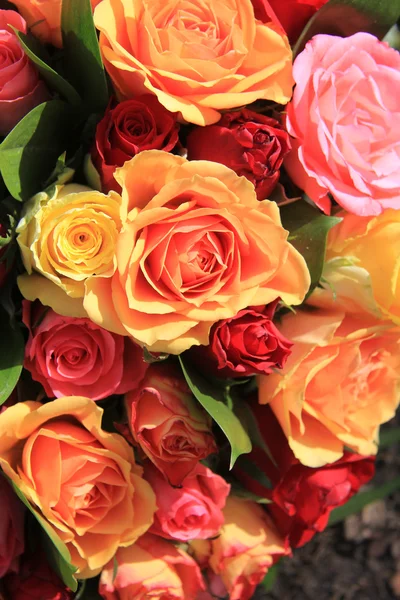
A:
<point x="198" y="56"/>
<point x="168" y="423"/>
<point x="248" y="544"/>
<point x="44" y="18"/>
<point x="364" y="254"/>
<point x="67" y="238"/>
<point x="339" y="385"/>
<point x="70" y="356"/>
<point x="345" y="118"/>
<point x="151" y="568"/>
<point x="20" y="86"/>
<point x="82" y="480"/>
<point x="196" y="247"/>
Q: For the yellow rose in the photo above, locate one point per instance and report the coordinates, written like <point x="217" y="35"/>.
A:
<point x="197" y="56"/>
<point x="341" y="382"/>
<point x="366" y="250"/>
<point x="82" y="480"/>
<point x="67" y="238"/>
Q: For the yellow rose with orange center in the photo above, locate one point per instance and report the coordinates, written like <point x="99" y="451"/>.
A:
<point x="81" y="479"/>
<point x="365" y="252"/>
<point x="68" y="238"/>
<point x="341" y="382"/>
<point x="196" y="246"/>
<point x="197" y="56"/>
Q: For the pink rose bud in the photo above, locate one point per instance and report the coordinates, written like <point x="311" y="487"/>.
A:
<point x="20" y="86"/>
<point x="167" y="422"/>
<point x="192" y="511"/>
<point x="75" y="357"/>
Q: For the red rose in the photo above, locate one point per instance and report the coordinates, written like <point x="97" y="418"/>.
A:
<point x="302" y="497"/>
<point x="247" y="344"/>
<point x="192" y="511"/>
<point x="251" y="144"/>
<point x="75" y="357"/>
<point x="168" y="423"/>
<point x="20" y="86"/>
<point x="292" y="14"/>
<point x="12" y="516"/>
<point x="36" y="581"/>
<point x="128" y="128"/>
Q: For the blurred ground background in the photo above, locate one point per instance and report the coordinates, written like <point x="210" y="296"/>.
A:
<point x="358" y="559"/>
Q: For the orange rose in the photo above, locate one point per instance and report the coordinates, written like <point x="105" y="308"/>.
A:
<point x="247" y="545"/>
<point x="196" y="247"/>
<point x="151" y="568"/>
<point x="197" y="56"/>
<point x="339" y="385"/>
<point x="44" y="18"/>
<point x="82" y="480"/>
<point x="168" y="423"/>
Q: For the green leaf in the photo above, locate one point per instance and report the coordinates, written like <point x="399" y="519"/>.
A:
<point x="11" y="356"/>
<point x="88" y="590"/>
<point x="54" y="81"/>
<point x="57" y="552"/>
<point x="240" y="492"/>
<point x="83" y="63"/>
<point x="389" y="437"/>
<point x="269" y="580"/>
<point x="245" y="464"/>
<point x="212" y="400"/>
<point x="30" y="151"/>
<point x="393" y="37"/>
<point x="359" y="501"/>
<point x="308" y="229"/>
<point x="346" y="17"/>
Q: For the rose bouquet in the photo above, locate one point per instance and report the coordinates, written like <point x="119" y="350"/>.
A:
<point x="200" y="286"/>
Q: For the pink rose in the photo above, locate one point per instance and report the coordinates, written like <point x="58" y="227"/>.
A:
<point x="345" y="118"/>
<point x="12" y="516"/>
<point x="20" y="86"/>
<point x="76" y="357"/>
<point x="151" y="568"/>
<point x="192" y="511"/>
<point x="168" y="423"/>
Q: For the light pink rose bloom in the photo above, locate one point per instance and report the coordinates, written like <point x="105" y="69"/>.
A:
<point x="345" y="118"/>
<point x="12" y="516"/>
<point x="192" y="511"/>
<point x="76" y="357"/>
<point x="20" y="86"/>
<point x="151" y="568"/>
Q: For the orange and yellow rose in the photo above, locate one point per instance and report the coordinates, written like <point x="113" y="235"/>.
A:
<point x="247" y="546"/>
<point x="365" y="253"/>
<point x="81" y="479"/>
<point x="341" y="382"/>
<point x="196" y="247"/>
<point x="197" y="56"/>
<point x="67" y="238"/>
<point x="44" y="18"/>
